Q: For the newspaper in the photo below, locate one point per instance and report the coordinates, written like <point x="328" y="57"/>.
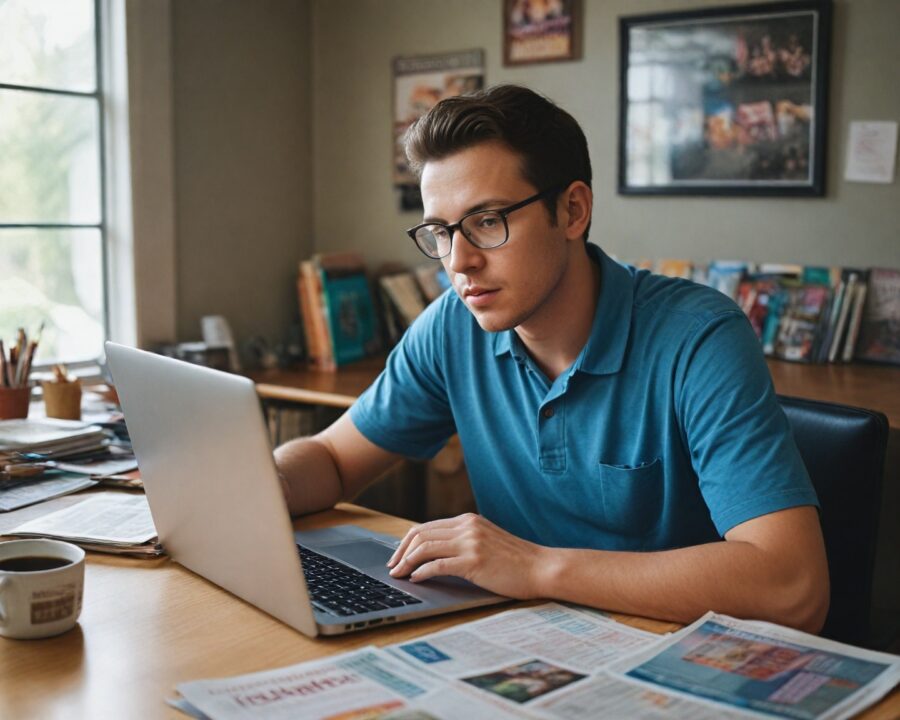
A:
<point x="113" y="519"/>
<point x="15" y="494"/>
<point x="562" y="663"/>
<point x="764" y="670"/>
<point x="557" y="637"/>
<point x="367" y="683"/>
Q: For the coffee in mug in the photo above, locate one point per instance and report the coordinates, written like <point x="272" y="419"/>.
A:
<point x="41" y="587"/>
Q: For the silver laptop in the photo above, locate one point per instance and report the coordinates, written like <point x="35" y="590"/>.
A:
<point x="216" y="500"/>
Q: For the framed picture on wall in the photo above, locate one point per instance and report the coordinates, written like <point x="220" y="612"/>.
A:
<point x="725" y="101"/>
<point x="419" y="83"/>
<point x="537" y="31"/>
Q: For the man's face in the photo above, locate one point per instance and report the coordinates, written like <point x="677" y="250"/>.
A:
<point x="506" y="286"/>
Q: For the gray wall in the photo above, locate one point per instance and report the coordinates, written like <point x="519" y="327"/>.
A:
<point x="241" y="87"/>
<point x="355" y="206"/>
<point x="282" y="123"/>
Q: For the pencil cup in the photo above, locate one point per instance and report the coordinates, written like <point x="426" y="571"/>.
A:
<point x="14" y="402"/>
<point x="62" y="399"/>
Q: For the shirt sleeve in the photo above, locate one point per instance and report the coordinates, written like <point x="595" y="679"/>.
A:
<point x="407" y="410"/>
<point x="739" y="439"/>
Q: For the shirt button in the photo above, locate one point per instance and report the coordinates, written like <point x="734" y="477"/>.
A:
<point x="548" y="412"/>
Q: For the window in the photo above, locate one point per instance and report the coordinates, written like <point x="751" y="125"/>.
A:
<point x="52" y="210"/>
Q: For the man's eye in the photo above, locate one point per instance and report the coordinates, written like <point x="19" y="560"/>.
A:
<point x="488" y="222"/>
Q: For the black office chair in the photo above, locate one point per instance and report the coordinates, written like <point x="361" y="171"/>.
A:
<point x="844" y="448"/>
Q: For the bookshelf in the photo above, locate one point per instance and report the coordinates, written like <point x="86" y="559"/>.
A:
<point x="876" y="387"/>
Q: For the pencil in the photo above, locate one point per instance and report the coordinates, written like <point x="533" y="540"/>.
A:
<point x="2" y="365"/>
<point x="26" y="366"/>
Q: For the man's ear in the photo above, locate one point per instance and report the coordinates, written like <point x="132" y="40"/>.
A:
<point x="578" y="203"/>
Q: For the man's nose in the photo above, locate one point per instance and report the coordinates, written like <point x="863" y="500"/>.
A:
<point x="463" y="254"/>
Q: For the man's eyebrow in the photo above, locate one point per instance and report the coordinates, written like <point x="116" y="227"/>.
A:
<point x="483" y="205"/>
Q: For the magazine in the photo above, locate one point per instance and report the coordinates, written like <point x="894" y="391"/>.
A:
<point x="764" y="670"/>
<point x="879" y="333"/>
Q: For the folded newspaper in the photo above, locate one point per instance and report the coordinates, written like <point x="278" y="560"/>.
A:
<point x="553" y="661"/>
<point x="111" y="522"/>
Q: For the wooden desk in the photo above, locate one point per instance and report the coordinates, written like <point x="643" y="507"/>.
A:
<point x="315" y="387"/>
<point x="876" y="387"/>
<point x="149" y="625"/>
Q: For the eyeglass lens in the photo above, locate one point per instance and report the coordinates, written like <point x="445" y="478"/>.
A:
<point x="484" y="230"/>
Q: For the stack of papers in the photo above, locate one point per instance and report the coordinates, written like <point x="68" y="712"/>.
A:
<point x="112" y="522"/>
<point x="50" y="437"/>
<point x="45" y="458"/>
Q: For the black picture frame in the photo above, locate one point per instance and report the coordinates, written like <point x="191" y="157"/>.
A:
<point x="726" y="101"/>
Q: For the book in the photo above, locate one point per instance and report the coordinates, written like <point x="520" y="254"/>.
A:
<point x="343" y="316"/>
<point x="320" y="356"/>
<point x="800" y="322"/>
<point x="403" y="294"/>
<point x="856" y="311"/>
<point x="726" y="275"/>
<point x="432" y="280"/>
<point x="834" y="312"/>
<point x="674" y="268"/>
<point x="849" y="279"/>
<point x="879" y="332"/>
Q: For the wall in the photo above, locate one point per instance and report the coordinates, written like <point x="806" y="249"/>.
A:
<point x="355" y="206"/>
<point x="241" y="86"/>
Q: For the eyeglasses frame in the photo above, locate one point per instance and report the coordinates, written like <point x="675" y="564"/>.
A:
<point x="502" y="212"/>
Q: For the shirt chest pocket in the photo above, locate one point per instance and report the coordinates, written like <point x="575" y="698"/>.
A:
<point x="631" y="498"/>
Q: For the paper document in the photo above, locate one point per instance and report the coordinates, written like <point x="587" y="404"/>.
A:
<point x="871" y="152"/>
<point x="16" y="494"/>
<point x="553" y="635"/>
<point x="367" y="683"/>
<point x="113" y="518"/>
<point x="761" y="670"/>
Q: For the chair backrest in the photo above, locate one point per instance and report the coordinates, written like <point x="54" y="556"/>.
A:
<point x="843" y="448"/>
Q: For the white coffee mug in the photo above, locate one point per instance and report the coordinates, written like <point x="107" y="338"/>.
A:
<point x="41" y="586"/>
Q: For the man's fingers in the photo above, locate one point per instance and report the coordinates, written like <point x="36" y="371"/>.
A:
<point x="414" y="531"/>
<point x="404" y="543"/>
<point x="424" y="546"/>
<point x="440" y="567"/>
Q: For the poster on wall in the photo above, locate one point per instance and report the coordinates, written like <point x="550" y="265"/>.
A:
<point x="419" y="83"/>
<point x="725" y="101"/>
<point x="537" y="31"/>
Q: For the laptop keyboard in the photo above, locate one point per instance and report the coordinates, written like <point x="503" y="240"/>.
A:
<point x="339" y="589"/>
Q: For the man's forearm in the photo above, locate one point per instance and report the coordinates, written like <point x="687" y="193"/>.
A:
<point x="734" y="578"/>
<point x="309" y="475"/>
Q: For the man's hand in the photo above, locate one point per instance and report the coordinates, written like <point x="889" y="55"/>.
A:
<point x="470" y="547"/>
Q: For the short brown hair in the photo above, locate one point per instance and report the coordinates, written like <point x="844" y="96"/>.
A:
<point x="550" y="142"/>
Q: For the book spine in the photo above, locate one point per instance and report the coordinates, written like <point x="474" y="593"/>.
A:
<point x="840" y="289"/>
<point x="309" y="334"/>
<point x="859" y="302"/>
<point x="849" y="291"/>
<point x="313" y="289"/>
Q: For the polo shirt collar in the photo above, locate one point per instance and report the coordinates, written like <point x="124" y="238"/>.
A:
<point x="604" y="352"/>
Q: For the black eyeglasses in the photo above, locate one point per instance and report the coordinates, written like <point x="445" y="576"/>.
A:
<point x="485" y="229"/>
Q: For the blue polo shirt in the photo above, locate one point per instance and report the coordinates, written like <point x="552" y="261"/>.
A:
<point x="665" y="431"/>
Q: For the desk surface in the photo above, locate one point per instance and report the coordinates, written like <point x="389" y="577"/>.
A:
<point x="149" y="625"/>
<point x="870" y="386"/>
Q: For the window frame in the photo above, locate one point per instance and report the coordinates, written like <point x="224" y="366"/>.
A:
<point x="98" y="96"/>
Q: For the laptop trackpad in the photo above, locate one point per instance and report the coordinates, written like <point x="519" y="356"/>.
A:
<point x="364" y="553"/>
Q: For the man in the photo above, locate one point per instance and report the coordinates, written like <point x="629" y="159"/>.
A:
<point x="603" y="412"/>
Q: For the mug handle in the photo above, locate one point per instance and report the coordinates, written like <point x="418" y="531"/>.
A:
<point x="4" y="581"/>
